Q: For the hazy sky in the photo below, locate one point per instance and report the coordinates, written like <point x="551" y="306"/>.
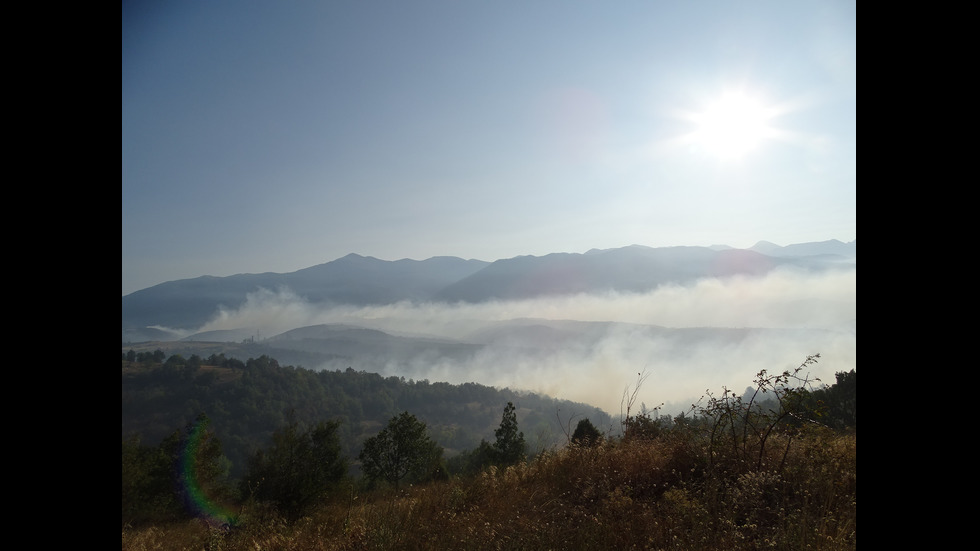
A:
<point x="274" y="136"/>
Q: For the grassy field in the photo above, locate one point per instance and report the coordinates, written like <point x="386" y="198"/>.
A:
<point x="681" y="490"/>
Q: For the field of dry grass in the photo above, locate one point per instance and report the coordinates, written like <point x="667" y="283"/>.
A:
<point x="674" y="492"/>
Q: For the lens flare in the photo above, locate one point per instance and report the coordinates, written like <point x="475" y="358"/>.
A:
<point x="195" y="498"/>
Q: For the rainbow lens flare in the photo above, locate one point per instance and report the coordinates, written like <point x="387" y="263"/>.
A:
<point x="195" y="499"/>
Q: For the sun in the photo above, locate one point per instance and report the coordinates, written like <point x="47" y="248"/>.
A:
<point x="731" y="126"/>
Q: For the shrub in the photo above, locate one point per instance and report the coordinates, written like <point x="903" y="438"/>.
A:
<point x="298" y="470"/>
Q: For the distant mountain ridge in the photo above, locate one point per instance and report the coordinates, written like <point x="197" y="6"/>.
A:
<point x="629" y="269"/>
<point x="831" y="247"/>
<point x="352" y="279"/>
<point x="360" y="280"/>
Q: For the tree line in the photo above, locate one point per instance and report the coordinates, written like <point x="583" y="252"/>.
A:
<point x="299" y="469"/>
<point x="303" y="462"/>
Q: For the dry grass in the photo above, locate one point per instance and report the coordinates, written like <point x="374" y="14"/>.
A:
<point x="662" y="494"/>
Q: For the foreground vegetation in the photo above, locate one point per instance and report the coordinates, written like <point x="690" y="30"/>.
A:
<point x="771" y="470"/>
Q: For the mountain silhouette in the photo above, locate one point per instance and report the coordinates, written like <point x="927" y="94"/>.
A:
<point x="362" y="280"/>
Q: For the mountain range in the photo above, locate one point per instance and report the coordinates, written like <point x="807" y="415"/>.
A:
<point x="358" y="280"/>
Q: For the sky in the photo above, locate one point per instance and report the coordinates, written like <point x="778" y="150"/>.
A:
<point x="275" y="136"/>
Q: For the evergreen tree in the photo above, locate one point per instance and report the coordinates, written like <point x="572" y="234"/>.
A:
<point x="401" y="449"/>
<point x="509" y="448"/>
<point x="586" y="434"/>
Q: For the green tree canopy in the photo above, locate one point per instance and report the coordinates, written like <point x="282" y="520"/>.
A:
<point x="642" y="427"/>
<point x="401" y="449"/>
<point x="298" y="470"/>
<point x="159" y="483"/>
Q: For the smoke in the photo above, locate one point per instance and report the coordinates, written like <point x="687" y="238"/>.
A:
<point x="688" y="339"/>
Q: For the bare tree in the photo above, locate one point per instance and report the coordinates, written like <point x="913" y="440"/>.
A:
<point x="629" y="399"/>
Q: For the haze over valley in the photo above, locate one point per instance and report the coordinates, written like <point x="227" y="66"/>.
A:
<point x="576" y="327"/>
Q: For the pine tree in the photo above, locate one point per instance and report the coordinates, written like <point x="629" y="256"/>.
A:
<point x="586" y="434"/>
<point x="509" y="447"/>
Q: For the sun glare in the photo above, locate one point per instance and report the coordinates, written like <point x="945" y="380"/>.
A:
<point x="731" y="126"/>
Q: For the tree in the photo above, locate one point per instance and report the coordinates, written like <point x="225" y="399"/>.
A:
<point x="401" y="449"/>
<point x="298" y="470"/>
<point x="201" y="472"/>
<point x="147" y="484"/>
<point x="586" y="434"/>
<point x="262" y="362"/>
<point x="473" y="461"/>
<point x="837" y="405"/>
<point x="509" y="448"/>
<point x="629" y="399"/>
<point x="172" y="480"/>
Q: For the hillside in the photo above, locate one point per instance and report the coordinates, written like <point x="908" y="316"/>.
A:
<point x="247" y="403"/>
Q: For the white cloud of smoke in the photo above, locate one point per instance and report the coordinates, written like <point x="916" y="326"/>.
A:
<point x="772" y="322"/>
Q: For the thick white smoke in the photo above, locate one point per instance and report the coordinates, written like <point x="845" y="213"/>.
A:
<point x="772" y="322"/>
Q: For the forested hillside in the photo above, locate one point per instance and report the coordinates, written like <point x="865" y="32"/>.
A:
<point x="247" y="401"/>
<point x="772" y="468"/>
